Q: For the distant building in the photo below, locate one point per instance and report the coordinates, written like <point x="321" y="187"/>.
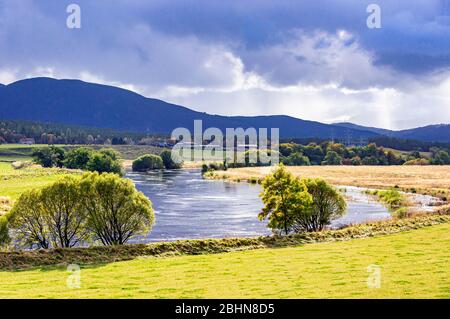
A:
<point x="27" y="140"/>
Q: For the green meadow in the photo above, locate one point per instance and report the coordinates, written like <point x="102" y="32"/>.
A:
<point x="413" y="264"/>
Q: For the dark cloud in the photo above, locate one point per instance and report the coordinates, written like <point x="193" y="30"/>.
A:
<point x="196" y="51"/>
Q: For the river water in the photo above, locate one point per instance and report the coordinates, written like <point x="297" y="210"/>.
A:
<point x="187" y="206"/>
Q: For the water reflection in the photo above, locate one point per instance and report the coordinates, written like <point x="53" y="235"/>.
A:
<point x="187" y="206"/>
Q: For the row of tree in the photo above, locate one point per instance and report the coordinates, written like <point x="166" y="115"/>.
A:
<point x="75" y="211"/>
<point x="102" y="161"/>
<point x="328" y="153"/>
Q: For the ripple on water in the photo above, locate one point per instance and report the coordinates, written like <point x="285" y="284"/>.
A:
<point x="187" y="206"/>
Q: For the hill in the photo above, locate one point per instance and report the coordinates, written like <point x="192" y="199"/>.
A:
<point x="79" y="103"/>
<point x="430" y="133"/>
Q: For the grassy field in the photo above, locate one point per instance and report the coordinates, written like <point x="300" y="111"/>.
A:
<point x="14" y="182"/>
<point x="428" y="179"/>
<point x="413" y="264"/>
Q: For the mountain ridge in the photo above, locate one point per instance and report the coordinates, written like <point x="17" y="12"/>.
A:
<point x="76" y="102"/>
<point x="430" y="133"/>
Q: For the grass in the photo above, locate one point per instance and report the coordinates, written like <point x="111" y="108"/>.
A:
<point x="413" y="264"/>
<point x="14" y="260"/>
<point x="391" y="197"/>
<point x="14" y="182"/>
<point x="431" y="180"/>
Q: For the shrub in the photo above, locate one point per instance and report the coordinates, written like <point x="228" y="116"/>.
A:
<point x="296" y="159"/>
<point x="78" y="158"/>
<point x="401" y="213"/>
<point x="104" y="161"/>
<point x="49" y="156"/>
<point x="391" y="197"/>
<point x="417" y="161"/>
<point x="116" y="211"/>
<point x="214" y="167"/>
<point x="370" y="160"/>
<point x="147" y="162"/>
<point x="168" y="161"/>
<point x="332" y="158"/>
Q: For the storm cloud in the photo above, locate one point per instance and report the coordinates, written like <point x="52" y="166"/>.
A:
<point x="315" y="60"/>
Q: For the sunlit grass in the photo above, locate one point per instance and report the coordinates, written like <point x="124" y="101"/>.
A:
<point x="413" y="264"/>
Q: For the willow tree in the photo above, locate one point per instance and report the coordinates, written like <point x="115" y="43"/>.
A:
<point x="284" y="197"/>
<point x="116" y="211"/>
<point x="328" y="204"/>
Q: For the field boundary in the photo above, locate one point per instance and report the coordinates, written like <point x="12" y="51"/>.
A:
<point x="19" y="260"/>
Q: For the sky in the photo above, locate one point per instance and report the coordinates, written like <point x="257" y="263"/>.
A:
<point x="315" y="60"/>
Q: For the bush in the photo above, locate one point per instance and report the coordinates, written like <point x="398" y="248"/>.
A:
<point x="370" y="160"/>
<point x="214" y="167"/>
<point x="78" y="158"/>
<point x="147" y="162"/>
<point x="332" y="158"/>
<point x="168" y="161"/>
<point x="104" y="161"/>
<point x="401" y="213"/>
<point x="417" y="161"/>
<point x="296" y="159"/>
<point x="116" y="211"/>
<point x="49" y="156"/>
<point x="392" y="197"/>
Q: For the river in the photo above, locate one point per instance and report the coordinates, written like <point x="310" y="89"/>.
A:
<point x="187" y="206"/>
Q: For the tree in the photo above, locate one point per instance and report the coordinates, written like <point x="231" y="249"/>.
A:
<point x="332" y="158"/>
<point x="296" y="159"/>
<point x="314" y="153"/>
<point x="104" y="161"/>
<point x="50" y="217"/>
<point x="283" y="197"/>
<point x="147" y="162"/>
<point x="78" y="158"/>
<point x="328" y="204"/>
<point x="370" y="160"/>
<point x="49" y="156"/>
<point x="116" y="210"/>
<point x="440" y="157"/>
<point x="27" y="221"/>
<point x="64" y="216"/>
<point x="168" y="162"/>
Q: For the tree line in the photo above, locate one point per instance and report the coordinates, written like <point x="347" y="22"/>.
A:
<point x="327" y="153"/>
<point x="12" y="131"/>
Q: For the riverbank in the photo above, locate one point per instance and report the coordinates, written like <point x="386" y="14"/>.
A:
<point x="100" y="254"/>
<point x="409" y="264"/>
<point x="427" y="180"/>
